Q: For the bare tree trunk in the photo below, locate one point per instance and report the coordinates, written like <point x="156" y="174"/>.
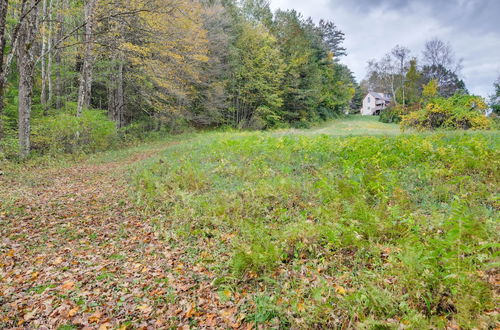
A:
<point x="26" y="66"/>
<point x="111" y="93"/>
<point x="46" y="57"/>
<point x="57" y="56"/>
<point x="4" y="4"/>
<point x="85" y="88"/>
<point x="393" y="90"/>
<point x="116" y="99"/>
<point x="403" y="80"/>
<point x="49" y="55"/>
<point x="120" y="94"/>
<point x="43" y="92"/>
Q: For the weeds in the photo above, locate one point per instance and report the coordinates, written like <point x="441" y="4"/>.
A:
<point x="366" y="232"/>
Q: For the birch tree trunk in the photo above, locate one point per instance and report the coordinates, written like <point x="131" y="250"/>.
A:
<point x="26" y="67"/>
<point x="4" y="4"/>
<point x="85" y="88"/>
<point x="46" y="57"/>
<point x="60" y="5"/>
<point x="49" y="59"/>
<point x="43" y="92"/>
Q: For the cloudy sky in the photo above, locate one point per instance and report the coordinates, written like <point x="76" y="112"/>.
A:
<point x="373" y="27"/>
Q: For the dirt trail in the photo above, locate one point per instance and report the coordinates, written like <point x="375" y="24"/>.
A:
<point x="76" y="252"/>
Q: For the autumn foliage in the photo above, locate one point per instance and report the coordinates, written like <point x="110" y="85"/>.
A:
<point x="457" y="112"/>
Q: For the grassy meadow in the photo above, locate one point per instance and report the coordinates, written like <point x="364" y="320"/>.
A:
<point x="352" y="125"/>
<point x="347" y="225"/>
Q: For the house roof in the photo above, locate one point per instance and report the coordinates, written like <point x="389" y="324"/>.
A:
<point x="380" y="96"/>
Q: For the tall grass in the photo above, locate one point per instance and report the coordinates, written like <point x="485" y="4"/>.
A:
<point x="337" y="232"/>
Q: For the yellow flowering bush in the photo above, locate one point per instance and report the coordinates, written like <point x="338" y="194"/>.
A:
<point x="457" y="112"/>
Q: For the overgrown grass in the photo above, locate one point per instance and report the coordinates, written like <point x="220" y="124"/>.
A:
<point x="354" y="125"/>
<point x="322" y="231"/>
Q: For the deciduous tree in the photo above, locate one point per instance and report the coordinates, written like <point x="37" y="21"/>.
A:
<point x="26" y="65"/>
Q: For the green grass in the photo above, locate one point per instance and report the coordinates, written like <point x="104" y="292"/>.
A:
<point x="352" y="125"/>
<point x="321" y="230"/>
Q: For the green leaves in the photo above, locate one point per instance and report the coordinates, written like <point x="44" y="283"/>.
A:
<point x="384" y="230"/>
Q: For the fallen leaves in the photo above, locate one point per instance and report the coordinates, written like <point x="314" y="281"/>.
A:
<point x="58" y="261"/>
<point x="190" y="312"/>
<point x="72" y="312"/>
<point x="95" y="318"/>
<point x="64" y="275"/>
<point x="145" y="309"/>
<point x="68" y="285"/>
<point x="339" y="289"/>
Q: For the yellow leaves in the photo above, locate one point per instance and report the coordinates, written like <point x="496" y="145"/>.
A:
<point x="72" y="312"/>
<point x="430" y="90"/>
<point x="95" y="318"/>
<point x="339" y="289"/>
<point x="146" y="309"/>
<point x="190" y="312"/>
<point x="105" y="326"/>
<point x="480" y="122"/>
<point x="200" y="58"/>
<point x="227" y="293"/>
<point x="167" y="47"/>
<point x="138" y="50"/>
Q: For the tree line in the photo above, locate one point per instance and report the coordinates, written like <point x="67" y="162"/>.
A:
<point x="404" y="76"/>
<point x="168" y="63"/>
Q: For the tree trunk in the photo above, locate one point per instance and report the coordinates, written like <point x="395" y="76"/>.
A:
<point x="60" y="5"/>
<point x="116" y="100"/>
<point x="26" y="67"/>
<point x="403" y="81"/>
<point x="4" y="4"/>
<point x="120" y="95"/>
<point x="43" y="92"/>
<point x="85" y="88"/>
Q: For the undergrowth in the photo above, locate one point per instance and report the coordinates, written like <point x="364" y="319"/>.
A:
<point x="362" y="232"/>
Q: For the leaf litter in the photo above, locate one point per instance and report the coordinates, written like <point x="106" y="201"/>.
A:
<point x="76" y="252"/>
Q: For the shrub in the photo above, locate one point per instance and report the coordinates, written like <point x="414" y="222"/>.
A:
<point x="395" y="113"/>
<point x="9" y="148"/>
<point x="457" y="112"/>
<point x="65" y="133"/>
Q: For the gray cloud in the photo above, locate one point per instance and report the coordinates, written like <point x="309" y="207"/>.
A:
<point x="373" y="27"/>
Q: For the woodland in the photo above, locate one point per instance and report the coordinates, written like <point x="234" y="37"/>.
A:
<point x="201" y="164"/>
<point x="80" y="76"/>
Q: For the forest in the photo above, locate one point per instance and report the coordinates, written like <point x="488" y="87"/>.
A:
<point x="81" y="76"/>
<point x="203" y="164"/>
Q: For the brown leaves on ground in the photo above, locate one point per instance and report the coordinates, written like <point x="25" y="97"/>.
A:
<point x="75" y="251"/>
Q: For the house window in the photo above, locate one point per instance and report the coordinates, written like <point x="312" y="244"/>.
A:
<point x="369" y="100"/>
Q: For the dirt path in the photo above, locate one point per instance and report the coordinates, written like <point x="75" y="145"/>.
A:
<point x="76" y="253"/>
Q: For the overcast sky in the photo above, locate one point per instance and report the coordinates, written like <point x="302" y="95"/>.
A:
<point x="374" y="27"/>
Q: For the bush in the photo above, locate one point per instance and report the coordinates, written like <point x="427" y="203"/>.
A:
<point x="65" y="133"/>
<point x="9" y="148"/>
<point x="395" y="113"/>
<point x="391" y="114"/>
<point x="457" y="112"/>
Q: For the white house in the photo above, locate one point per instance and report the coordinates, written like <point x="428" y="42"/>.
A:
<point x="374" y="103"/>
